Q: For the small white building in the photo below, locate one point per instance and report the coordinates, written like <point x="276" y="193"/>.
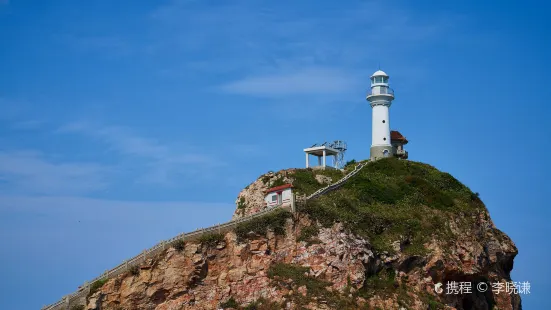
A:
<point x="279" y="195"/>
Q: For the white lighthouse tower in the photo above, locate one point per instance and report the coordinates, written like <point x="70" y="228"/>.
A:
<point x="380" y="98"/>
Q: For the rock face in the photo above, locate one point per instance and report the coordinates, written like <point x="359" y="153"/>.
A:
<point x="251" y="199"/>
<point x="203" y="277"/>
<point x="334" y="259"/>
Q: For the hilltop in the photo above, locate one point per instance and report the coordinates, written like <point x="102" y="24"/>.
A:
<point x="380" y="241"/>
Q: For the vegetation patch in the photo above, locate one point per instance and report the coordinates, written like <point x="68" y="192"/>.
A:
<point x="78" y="307"/>
<point x="299" y="277"/>
<point x="263" y="304"/>
<point x="259" y="304"/>
<point x="305" y="182"/>
<point x="272" y="221"/>
<point x="309" y="235"/>
<point x="397" y="200"/>
<point x="134" y="270"/>
<point x="211" y="239"/>
<point x="94" y="287"/>
<point x="278" y="182"/>
<point x="382" y="283"/>
<point x="334" y="174"/>
<point x="434" y="304"/>
<point x="230" y="303"/>
<point x="179" y="245"/>
<point x="315" y="288"/>
<point x="241" y="203"/>
<point x="350" y="163"/>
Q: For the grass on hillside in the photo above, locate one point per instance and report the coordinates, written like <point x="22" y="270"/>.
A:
<point x="391" y="199"/>
<point x="309" y="235"/>
<point x="315" y="288"/>
<point x="305" y="182"/>
<point x="274" y="221"/>
<point x="211" y="239"/>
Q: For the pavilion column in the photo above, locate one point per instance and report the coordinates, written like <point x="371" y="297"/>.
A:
<point x="324" y="158"/>
<point x="307" y="161"/>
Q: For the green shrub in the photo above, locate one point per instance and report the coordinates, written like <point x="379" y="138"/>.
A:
<point x="211" y="239"/>
<point x="272" y="221"/>
<point x="278" y="182"/>
<point x="308" y="234"/>
<point x="134" y="270"/>
<point x="435" y="305"/>
<point x="259" y="304"/>
<point x="315" y="288"/>
<point x="334" y="174"/>
<point x="179" y="245"/>
<point x="305" y="181"/>
<point x="299" y="277"/>
<point x="241" y="204"/>
<point x="433" y="197"/>
<point x="381" y="283"/>
<point x="263" y="304"/>
<point x="94" y="287"/>
<point x="230" y="303"/>
<point x="350" y="163"/>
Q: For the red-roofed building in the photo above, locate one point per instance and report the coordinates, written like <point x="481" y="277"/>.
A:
<point x="398" y="141"/>
<point x="279" y="195"/>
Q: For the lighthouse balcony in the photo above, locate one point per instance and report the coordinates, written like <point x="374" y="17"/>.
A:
<point x="381" y="91"/>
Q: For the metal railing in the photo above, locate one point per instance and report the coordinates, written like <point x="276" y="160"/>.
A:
<point x="158" y="248"/>
<point x="381" y="91"/>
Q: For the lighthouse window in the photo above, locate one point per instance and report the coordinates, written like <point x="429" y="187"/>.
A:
<point x="385" y="79"/>
<point x="384" y="139"/>
<point x="378" y="79"/>
<point x="384" y="121"/>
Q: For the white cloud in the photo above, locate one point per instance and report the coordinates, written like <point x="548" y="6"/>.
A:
<point x="317" y="81"/>
<point x="59" y="205"/>
<point x="32" y="172"/>
<point x="253" y="34"/>
<point x="28" y="124"/>
<point x="163" y="161"/>
<point x="107" y="45"/>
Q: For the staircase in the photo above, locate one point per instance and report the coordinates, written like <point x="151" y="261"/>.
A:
<point x="337" y="184"/>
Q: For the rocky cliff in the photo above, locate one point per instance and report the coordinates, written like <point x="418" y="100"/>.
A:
<point x="381" y="241"/>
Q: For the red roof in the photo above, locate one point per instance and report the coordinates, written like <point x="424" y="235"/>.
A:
<point x="397" y="137"/>
<point x="278" y="188"/>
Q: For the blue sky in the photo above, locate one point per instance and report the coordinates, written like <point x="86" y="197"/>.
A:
<point x="124" y="123"/>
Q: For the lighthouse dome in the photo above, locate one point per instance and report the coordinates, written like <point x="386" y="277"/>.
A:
<point x="379" y="73"/>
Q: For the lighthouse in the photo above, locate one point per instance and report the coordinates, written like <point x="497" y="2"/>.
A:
<point x="380" y="98"/>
